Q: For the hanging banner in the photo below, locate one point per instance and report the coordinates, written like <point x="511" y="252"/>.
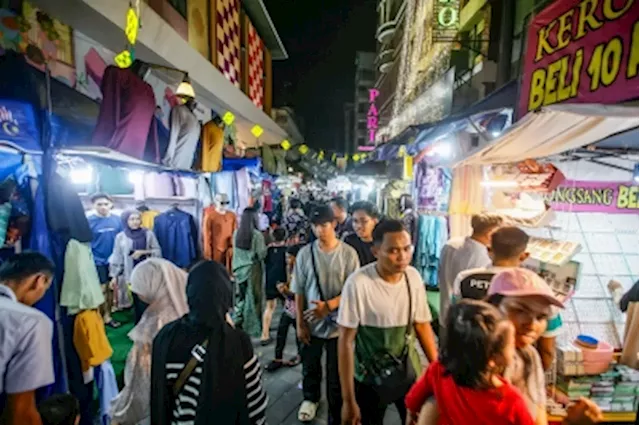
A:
<point x="581" y="51"/>
<point x="18" y="126"/>
<point x="602" y="197"/>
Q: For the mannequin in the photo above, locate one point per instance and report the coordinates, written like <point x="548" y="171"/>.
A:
<point x="217" y="229"/>
<point x="184" y="134"/>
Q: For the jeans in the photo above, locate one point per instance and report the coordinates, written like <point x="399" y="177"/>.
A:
<point x="312" y="375"/>
<point x="286" y="321"/>
<point x="371" y="410"/>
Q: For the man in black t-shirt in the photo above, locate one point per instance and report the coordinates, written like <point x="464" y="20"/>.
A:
<point x="364" y="218"/>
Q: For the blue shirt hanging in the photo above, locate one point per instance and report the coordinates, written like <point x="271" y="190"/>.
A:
<point x="178" y="236"/>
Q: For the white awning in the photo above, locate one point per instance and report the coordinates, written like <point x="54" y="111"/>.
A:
<point x="556" y="129"/>
<point x="159" y="43"/>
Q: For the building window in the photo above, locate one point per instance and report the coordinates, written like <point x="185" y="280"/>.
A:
<point x="180" y="6"/>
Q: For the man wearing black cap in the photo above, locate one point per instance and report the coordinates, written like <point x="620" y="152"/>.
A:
<point x="321" y="269"/>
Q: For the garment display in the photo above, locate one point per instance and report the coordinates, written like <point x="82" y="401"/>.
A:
<point x="432" y="187"/>
<point x="217" y="234"/>
<point x="65" y="213"/>
<point x="178" y="236"/>
<point x="107" y="389"/>
<point x="432" y="236"/>
<point x="148" y="218"/>
<point x="81" y="285"/>
<point x="113" y="180"/>
<point x="212" y="144"/>
<point x="90" y="339"/>
<point x="243" y="189"/>
<point x="267" y="197"/>
<point x="225" y="182"/>
<point x="186" y="187"/>
<point x="126" y="113"/>
<point x="183" y="138"/>
<point x="269" y="164"/>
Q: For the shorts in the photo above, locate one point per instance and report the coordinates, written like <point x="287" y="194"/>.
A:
<point x="103" y="274"/>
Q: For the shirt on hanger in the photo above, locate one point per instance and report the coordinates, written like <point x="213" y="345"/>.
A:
<point x="178" y="237"/>
<point x="126" y="112"/>
<point x="212" y="144"/>
<point x="90" y="339"/>
<point x="183" y="138"/>
<point x="148" y="218"/>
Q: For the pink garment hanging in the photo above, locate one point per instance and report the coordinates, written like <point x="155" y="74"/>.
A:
<point x="126" y="113"/>
<point x="158" y="185"/>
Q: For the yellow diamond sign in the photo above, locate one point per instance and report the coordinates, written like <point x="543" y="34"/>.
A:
<point x="286" y="145"/>
<point x="228" y="118"/>
<point x="131" y="30"/>
<point x="356" y="157"/>
<point x="257" y="131"/>
<point x="123" y="59"/>
<point x="303" y="149"/>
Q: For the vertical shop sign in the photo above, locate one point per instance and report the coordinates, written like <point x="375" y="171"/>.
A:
<point x="581" y="51"/>
<point x="372" y="116"/>
<point x="446" y="20"/>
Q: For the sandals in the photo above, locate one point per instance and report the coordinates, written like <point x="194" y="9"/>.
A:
<point x="265" y="342"/>
<point x="113" y="324"/>
<point x="307" y="411"/>
<point x="274" y="365"/>
<point x="293" y="361"/>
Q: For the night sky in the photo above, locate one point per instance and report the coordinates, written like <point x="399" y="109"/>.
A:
<point x="321" y="38"/>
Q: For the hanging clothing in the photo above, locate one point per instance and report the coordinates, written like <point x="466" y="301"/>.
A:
<point x="267" y="197"/>
<point x="126" y="113"/>
<point x="186" y="187"/>
<point x="148" y="217"/>
<point x="90" y="339"/>
<point x="163" y="285"/>
<point x="243" y="189"/>
<point x="178" y="237"/>
<point x="432" y="236"/>
<point x="247" y="270"/>
<point x="268" y="160"/>
<point x="183" y="138"/>
<point x="225" y="183"/>
<point x="81" y="284"/>
<point x="107" y="389"/>
<point x="65" y="214"/>
<point x="212" y="144"/>
<point x="410" y="222"/>
<point x="114" y="180"/>
<point x="217" y="235"/>
<point x="432" y="186"/>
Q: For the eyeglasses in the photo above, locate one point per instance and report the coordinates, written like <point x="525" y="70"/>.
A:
<point x="225" y="203"/>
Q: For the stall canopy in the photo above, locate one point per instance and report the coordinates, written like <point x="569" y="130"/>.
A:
<point x="556" y="129"/>
<point x="495" y="106"/>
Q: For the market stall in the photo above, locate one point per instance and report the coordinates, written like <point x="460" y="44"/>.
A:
<point x="565" y="174"/>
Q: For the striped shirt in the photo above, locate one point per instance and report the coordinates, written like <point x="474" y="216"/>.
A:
<point x="184" y="411"/>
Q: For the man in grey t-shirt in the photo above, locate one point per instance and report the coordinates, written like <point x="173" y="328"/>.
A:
<point x="321" y="270"/>
<point x="25" y="337"/>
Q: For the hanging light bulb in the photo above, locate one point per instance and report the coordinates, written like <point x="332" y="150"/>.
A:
<point x="185" y="89"/>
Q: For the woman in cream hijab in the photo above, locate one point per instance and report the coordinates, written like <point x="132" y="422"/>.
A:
<point x="162" y="286"/>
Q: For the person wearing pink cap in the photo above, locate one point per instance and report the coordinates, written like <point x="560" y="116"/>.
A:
<point x="526" y="299"/>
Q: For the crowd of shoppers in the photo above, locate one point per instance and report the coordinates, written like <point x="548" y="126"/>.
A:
<point x="352" y="297"/>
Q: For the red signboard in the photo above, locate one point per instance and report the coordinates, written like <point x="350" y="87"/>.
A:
<point x="581" y="51"/>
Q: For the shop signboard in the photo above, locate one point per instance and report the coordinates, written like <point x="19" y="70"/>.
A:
<point x="581" y="51"/>
<point x="446" y="20"/>
<point x="595" y="197"/>
<point x="372" y="121"/>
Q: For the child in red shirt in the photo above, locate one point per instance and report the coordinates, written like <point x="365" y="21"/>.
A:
<point x="466" y="381"/>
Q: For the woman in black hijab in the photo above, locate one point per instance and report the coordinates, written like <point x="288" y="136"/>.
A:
<point x="225" y="383"/>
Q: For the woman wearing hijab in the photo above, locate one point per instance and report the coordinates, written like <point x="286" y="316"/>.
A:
<point x="249" y="251"/>
<point x="204" y="370"/>
<point x="132" y="246"/>
<point x="162" y="286"/>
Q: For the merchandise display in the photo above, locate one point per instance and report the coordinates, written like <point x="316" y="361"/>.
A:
<point x="183" y="138"/>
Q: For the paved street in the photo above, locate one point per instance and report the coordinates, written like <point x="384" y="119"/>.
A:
<point x="282" y="386"/>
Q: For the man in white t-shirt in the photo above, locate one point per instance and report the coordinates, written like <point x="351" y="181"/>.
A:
<point x="378" y="302"/>
<point x="462" y="254"/>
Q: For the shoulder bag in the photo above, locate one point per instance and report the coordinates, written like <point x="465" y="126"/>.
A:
<point x="391" y="377"/>
<point x="197" y="356"/>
